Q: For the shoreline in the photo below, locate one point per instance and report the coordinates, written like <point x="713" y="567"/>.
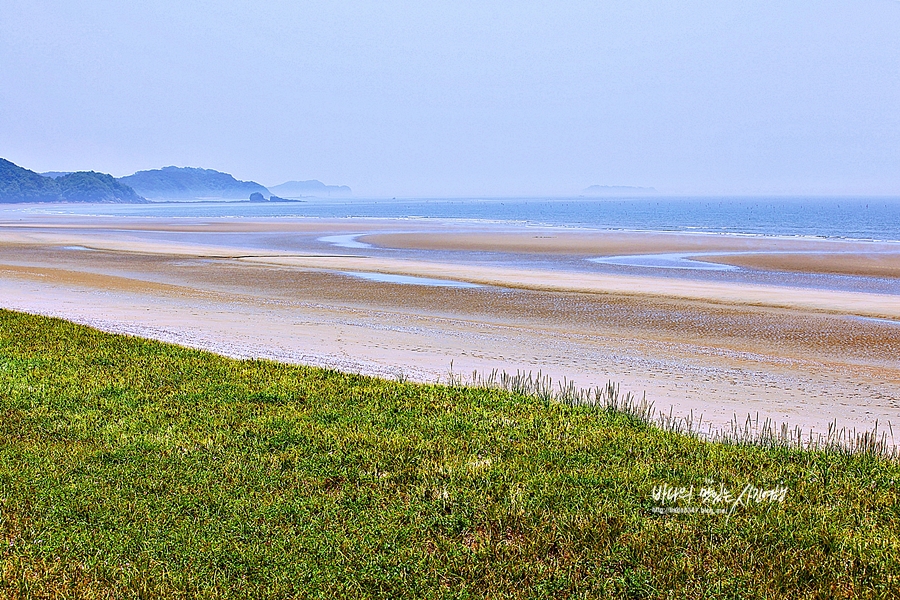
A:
<point x="42" y="210"/>
<point x="713" y="347"/>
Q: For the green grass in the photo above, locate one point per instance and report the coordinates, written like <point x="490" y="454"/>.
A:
<point x="131" y="468"/>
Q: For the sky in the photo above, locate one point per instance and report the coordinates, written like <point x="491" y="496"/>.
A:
<point x="462" y="98"/>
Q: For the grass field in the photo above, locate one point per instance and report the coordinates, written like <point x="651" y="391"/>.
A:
<point x="131" y="468"/>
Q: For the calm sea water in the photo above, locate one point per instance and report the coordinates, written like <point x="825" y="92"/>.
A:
<point x="849" y="218"/>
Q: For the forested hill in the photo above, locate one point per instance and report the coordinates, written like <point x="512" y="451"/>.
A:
<point x="18" y="184"/>
<point x="187" y="182"/>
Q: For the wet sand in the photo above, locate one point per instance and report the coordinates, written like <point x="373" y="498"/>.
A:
<point x="592" y="243"/>
<point x="871" y="264"/>
<point x="718" y="348"/>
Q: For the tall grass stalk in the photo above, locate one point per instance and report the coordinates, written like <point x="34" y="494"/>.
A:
<point x="749" y="432"/>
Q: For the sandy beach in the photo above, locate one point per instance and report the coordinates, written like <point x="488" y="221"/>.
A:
<point x="800" y="331"/>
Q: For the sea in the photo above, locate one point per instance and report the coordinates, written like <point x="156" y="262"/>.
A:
<point x="875" y="219"/>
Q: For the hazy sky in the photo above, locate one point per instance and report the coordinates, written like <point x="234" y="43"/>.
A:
<point x="462" y="98"/>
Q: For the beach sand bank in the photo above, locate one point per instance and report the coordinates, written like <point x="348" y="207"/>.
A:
<point x="717" y="348"/>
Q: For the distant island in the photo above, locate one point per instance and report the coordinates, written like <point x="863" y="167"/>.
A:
<point x="257" y="197"/>
<point x="618" y="190"/>
<point x="183" y="183"/>
<point x="300" y="189"/>
<point x="18" y="185"/>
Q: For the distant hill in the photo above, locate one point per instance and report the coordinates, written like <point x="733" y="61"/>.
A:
<point x="189" y="183"/>
<point x="56" y="174"/>
<point x="299" y="189"/>
<point x="21" y="185"/>
<point x="88" y="186"/>
<point x="618" y="190"/>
